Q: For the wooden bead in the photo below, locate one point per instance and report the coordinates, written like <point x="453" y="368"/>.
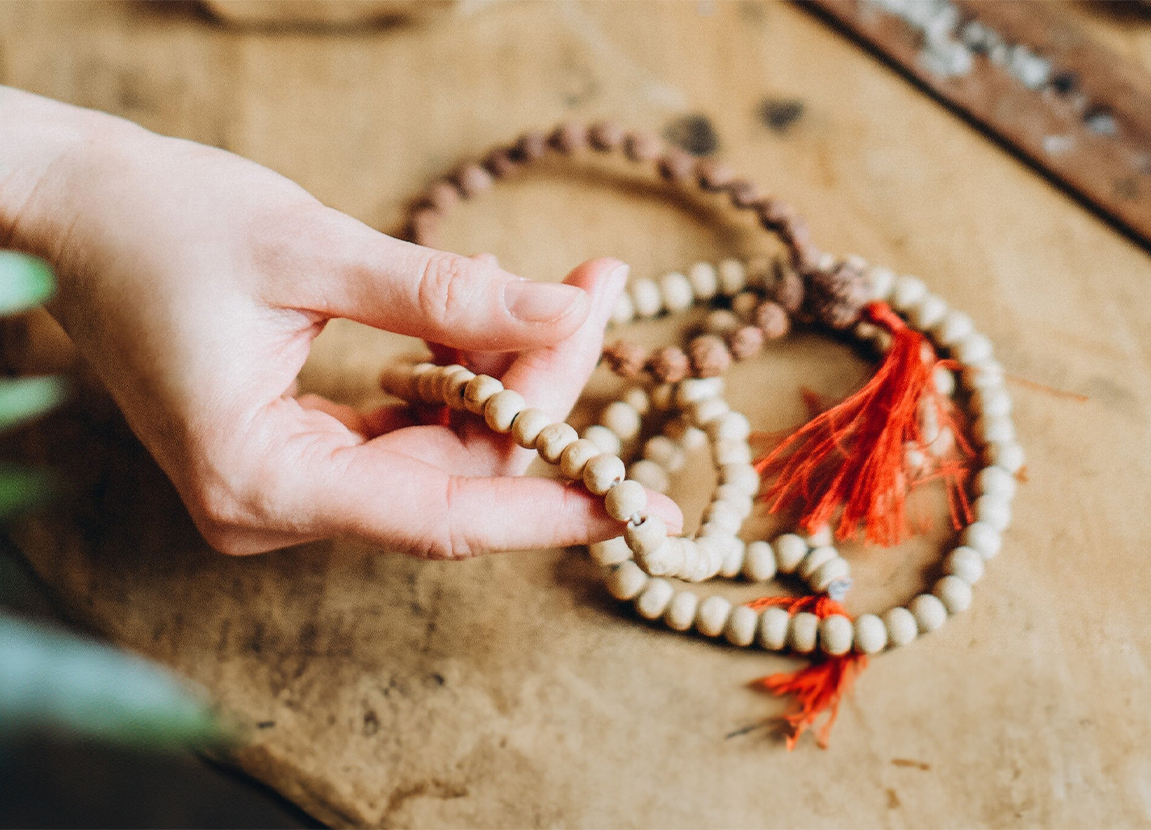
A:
<point x="663" y="396"/>
<point x="602" y="473"/>
<point x="603" y="438"/>
<point x="676" y="292"/>
<point x="870" y="634"/>
<point x="813" y="560"/>
<point x="709" y="355"/>
<point x="704" y="280"/>
<point x="625" y="499"/>
<point x="732" y="277"/>
<point x="741" y="476"/>
<point x="654" y="599"/>
<point x="576" y="456"/>
<point x="711" y="618"/>
<point x="994" y="511"/>
<point x="983" y="538"/>
<point x="881" y="281"/>
<point x="790" y="550"/>
<point x="645" y="294"/>
<point x="835" y="635"/>
<point x="759" y="561"/>
<point x="803" y="632"/>
<point x="741" y="625"/>
<point x="707" y="410"/>
<point x="819" y="538"/>
<point x="733" y="552"/>
<point x="428" y="384"/>
<point x="973" y="348"/>
<point x="397" y="380"/>
<point x="670" y="364"/>
<point x="954" y="593"/>
<point x="721" y="322"/>
<point x="473" y="179"/>
<point x="991" y="429"/>
<point x="901" y="626"/>
<point x="640" y="146"/>
<point x="626" y="581"/>
<point x="479" y="390"/>
<point x="502" y="408"/>
<point x="830" y="573"/>
<point x="995" y="481"/>
<point x="736" y="497"/>
<point x="622" y="419"/>
<point x="623" y="311"/>
<point x="637" y="399"/>
<point x="927" y="312"/>
<point x="774" y="623"/>
<point x="929" y="612"/>
<point x="666" y="560"/>
<point x="952" y="329"/>
<point x="991" y="401"/>
<point x="908" y="292"/>
<point x="983" y="375"/>
<point x="772" y="319"/>
<point x="645" y="536"/>
<point x="744" y="304"/>
<point x="456" y="386"/>
<point x="554" y="439"/>
<point x="723" y="515"/>
<point x="965" y="563"/>
<point x="528" y="425"/>
<point x="569" y="137"/>
<point x="610" y="551"/>
<point x="697" y="389"/>
<point x="944" y="381"/>
<point x="606" y="136"/>
<point x="681" y="611"/>
<point x="1005" y="454"/>
<point x="665" y="452"/>
<point x="650" y="475"/>
<point x="746" y="342"/>
<point x="727" y="451"/>
<point x="730" y="426"/>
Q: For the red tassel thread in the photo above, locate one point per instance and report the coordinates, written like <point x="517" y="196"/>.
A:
<point x="821" y="686"/>
<point x="850" y="458"/>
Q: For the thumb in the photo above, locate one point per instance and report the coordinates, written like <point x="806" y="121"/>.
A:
<point x="442" y="297"/>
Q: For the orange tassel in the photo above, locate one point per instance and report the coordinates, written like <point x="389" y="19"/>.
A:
<point x="850" y="459"/>
<point x="821" y="686"/>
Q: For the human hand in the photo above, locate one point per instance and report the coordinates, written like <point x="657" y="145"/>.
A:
<point x="194" y="282"/>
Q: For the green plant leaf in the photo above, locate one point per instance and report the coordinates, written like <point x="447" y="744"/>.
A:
<point x="25" y="282"/>
<point x="51" y="679"/>
<point x="22" y="399"/>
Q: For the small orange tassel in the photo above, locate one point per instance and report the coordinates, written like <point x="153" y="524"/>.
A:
<point x="819" y="687"/>
<point x="850" y="458"/>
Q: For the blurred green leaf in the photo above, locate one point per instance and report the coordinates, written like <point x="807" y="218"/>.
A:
<point x="51" y="679"/>
<point x="25" y="282"/>
<point x="22" y="399"/>
<point x="21" y="488"/>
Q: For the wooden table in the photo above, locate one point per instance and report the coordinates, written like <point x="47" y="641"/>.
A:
<point x="511" y="691"/>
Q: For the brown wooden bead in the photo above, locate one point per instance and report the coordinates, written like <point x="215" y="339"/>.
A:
<point x="606" y="136"/>
<point x="788" y="289"/>
<point x="625" y="358"/>
<point x="835" y="297"/>
<point x="771" y="318"/>
<point x="531" y="146"/>
<point x="473" y="179"/>
<point x="676" y="166"/>
<point x="805" y="256"/>
<point x="569" y="137"/>
<point x="713" y="175"/>
<point x="775" y="215"/>
<point x="641" y="146"/>
<point x="709" y="355"/>
<point x="500" y="163"/>
<point x="669" y="364"/>
<point x="746" y="342"/>
<point x="442" y="196"/>
<point x="744" y="194"/>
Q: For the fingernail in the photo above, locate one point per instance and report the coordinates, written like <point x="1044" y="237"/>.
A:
<point x="539" y="302"/>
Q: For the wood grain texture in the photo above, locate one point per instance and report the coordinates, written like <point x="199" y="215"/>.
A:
<point x="510" y="690"/>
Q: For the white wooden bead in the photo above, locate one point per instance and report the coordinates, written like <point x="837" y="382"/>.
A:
<point x="996" y="481"/>
<point x="813" y="560"/>
<point x="646" y="536"/>
<point x="927" y="312"/>
<point x="721" y="322"/>
<point x="602" y="473"/>
<point x="662" y="561"/>
<point x="973" y="348"/>
<point x="870" y="634"/>
<point x="830" y="572"/>
<point x="741" y="476"/>
<point x="665" y="452"/>
<point x="655" y="598"/>
<point x="528" y="425"/>
<point x="835" y="635"/>
<point x="428" y="384"/>
<point x="733" y="554"/>
<point x="929" y="612"/>
<point x="663" y="396"/>
<point x="576" y="456"/>
<point x="819" y="538"/>
<point x="729" y="451"/>
<point x="625" y="499"/>
<point x="610" y="551"/>
<point x="774" y="623"/>
<point x="502" y="408"/>
<point x="674" y="553"/>
<point x="687" y="436"/>
<point x="1005" y="454"/>
<point x="603" y="438"/>
<point x="456" y="387"/>
<point x="708" y="409"/>
<point x="626" y="581"/>
<point x="803" y="632"/>
<point x="880" y="281"/>
<point x="741" y="625"/>
<point x="638" y="400"/>
<point x="710" y="549"/>
<point x="996" y="429"/>
<point x="398" y="380"/>
<point x="623" y="311"/>
<point x="622" y="419"/>
<point x="645" y="295"/>
<point x="965" y="563"/>
<point x="731" y="426"/>
<point x="712" y="616"/>
<point x="479" y="391"/>
<point x="732" y="277"/>
<point x="650" y="475"/>
<point x="983" y="375"/>
<point x="944" y="380"/>
<point x="676" y="291"/>
<point x="993" y="510"/>
<point x="901" y="626"/>
<point x="954" y="593"/>
<point x="983" y="539"/>
<point x="704" y="280"/>
<point x="554" y="439"/>
<point x="681" y="611"/>
<point x="722" y="514"/>
<point x="790" y="550"/>
<point x="744" y="304"/>
<point x="908" y="292"/>
<point x="759" y="561"/>
<point x="954" y="326"/>
<point x="991" y="401"/>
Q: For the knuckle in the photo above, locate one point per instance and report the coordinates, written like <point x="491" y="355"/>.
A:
<point x="442" y="294"/>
